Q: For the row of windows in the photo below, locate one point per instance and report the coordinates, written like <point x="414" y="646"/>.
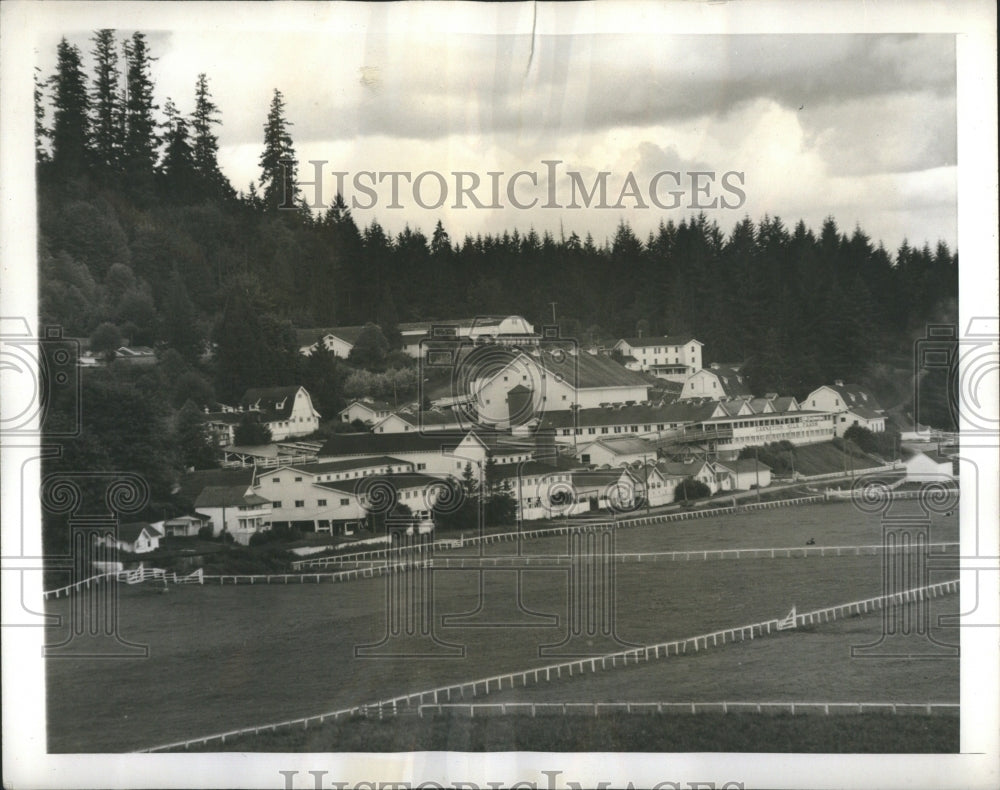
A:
<point x="356" y="473"/>
<point x="302" y="503"/>
<point x="618" y="429"/>
<point x="662" y="349"/>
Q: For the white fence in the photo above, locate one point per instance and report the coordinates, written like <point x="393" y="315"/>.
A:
<point x="482" y="709"/>
<point x="378" y="568"/>
<point x="569" y="527"/>
<point x="472" y="689"/>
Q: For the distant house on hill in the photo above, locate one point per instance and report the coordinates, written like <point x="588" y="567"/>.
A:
<point x="507" y="330"/>
<point x="672" y="358"/>
<point x="718" y="381"/>
<point x="338" y="340"/>
<point x="142" y="355"/>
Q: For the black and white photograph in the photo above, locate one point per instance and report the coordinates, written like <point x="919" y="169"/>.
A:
<point x="485" y="395"/>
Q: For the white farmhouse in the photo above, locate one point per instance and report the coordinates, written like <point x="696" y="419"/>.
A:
<point x="671" y="358"/>
<point x="235" y="509"/>
<point x="287" y="411"/>
<point x="853" y="405"/>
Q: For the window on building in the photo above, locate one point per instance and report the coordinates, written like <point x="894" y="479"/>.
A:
<point x="345" y="501"/>
<point x="421" y="466"/>
<point x="585" y="458"/>
<point x="275" y="479"/>
<point x="604" y="430"/>
<point x="276" y="503"/>
<point x="298" y="479"/>
<point x="300" y="503"/>
<point x="320" y="503"/>
<point x="591" y="431"/>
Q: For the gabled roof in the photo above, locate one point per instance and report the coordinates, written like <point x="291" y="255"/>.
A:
<point x="785" y="403"/>
<point x="400" y="482"/>
<point x="853" y="395"/>
<point x="193" y="483"/>
<point x="599" y="477"/>
<point x="587" y="371"/>
<point x="744" y="465"/>
<point x="274" y="402"/>
<point x="661" y="340"/>
<point x="732" y="380"/>
<point x="130" y="533"/>
<point x="426" y="417"/>
<point x="380" y="444"/>
<point x="372" y="405"/>
<point x="537" y="468"/>
<point x="326" y="467"/>
<point x="308" y="337"/>
<point x="865" y="413"/>
<point x="227" y="496"/>
<point x="680" y="468"/>
<point x="762" y="406"/>
<point x="626" y="445"/>
<point x="639" y="414"/>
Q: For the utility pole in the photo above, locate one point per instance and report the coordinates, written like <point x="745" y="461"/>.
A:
<point x="553" y="311"/>
<point x="756" y="469"/>
<point x="645" y="467"/>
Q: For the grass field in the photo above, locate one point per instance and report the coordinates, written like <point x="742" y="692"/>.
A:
<point x="221" y="658"/>
<point x="873" y="733"/>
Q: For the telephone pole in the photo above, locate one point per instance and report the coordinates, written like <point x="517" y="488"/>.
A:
<point x="553" y="311"/>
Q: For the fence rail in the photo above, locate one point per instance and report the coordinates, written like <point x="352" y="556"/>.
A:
<point x="483" y="709"/>
<point x="568" y="669"/>
<point x="569" y="527"/>
<point x="378" y="568"/>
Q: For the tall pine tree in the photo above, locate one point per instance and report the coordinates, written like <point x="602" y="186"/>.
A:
<point x="277" y="162"/>
<point x="205" y="143"/>
<point x="70" y="122"/>
<point x="105" y="97"/>
<point x="140" y="124"/>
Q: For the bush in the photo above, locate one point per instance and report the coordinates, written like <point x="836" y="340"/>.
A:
<point x="207" y="532"/>
<point x="690" y="488"/>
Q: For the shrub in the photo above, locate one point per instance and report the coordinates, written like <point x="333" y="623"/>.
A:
<point x="690" y="488"/>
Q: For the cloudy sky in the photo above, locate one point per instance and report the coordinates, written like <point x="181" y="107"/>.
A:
<point x="860" y="127"/>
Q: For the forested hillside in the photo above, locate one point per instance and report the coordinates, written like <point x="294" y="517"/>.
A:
<point x="143" y="241"/>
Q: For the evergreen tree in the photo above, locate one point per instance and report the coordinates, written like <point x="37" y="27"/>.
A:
<point x="204" y="142"/>
<point x="41" y="133"/>
<point x="177" y="168"/>
<point x="181" y="327"/>
<point x="192" y="439"/>
<point x="277" y="162"/>
<point x="105" y="99"/>
<point x="70" y="122"/>
<point x="140" y="143"/>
